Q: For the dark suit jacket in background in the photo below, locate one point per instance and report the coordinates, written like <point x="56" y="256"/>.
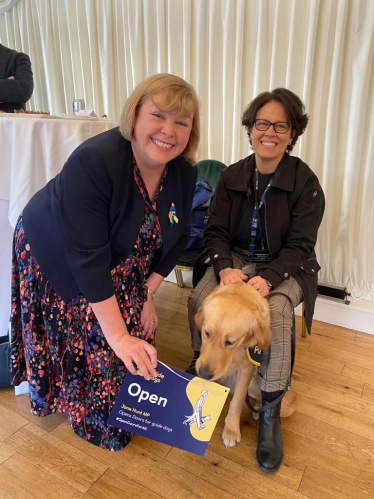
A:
<point x="14" y="93"/>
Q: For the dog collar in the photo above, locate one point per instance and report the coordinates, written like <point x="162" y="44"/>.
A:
<point x="254" y="355"/>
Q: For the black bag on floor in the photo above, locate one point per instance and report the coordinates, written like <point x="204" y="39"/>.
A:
<point x="4" y="362"/>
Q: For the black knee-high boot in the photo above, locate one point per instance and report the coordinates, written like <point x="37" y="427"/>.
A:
<point x="270" y="444"/>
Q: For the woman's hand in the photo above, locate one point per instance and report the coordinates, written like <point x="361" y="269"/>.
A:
<point x="260" y="284"/>
<point x="131" y="349"/>
<point x="128" y="348"/>
<point x="149" y="318"/>
<point x="230" y="275"/>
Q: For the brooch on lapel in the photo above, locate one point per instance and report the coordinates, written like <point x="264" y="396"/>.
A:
<point x="173" y="215"/>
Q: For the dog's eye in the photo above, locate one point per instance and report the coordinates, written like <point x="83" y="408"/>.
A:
<point x="207" y="335"/>
<point x="229" y="343"/>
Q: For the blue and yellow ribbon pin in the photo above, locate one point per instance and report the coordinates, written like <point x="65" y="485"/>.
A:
<point x="172" y="214"/>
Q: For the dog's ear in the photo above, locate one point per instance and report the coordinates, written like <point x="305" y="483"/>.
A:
<point x="259" y="332"/>
<point x="262" y="332"/>
<point x="199" y="318"/>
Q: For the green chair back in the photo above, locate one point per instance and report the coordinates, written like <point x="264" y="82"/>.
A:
<point x="210" y="171"/>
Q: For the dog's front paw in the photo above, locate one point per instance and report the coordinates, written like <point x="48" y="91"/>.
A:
<point x="230" y="436"/>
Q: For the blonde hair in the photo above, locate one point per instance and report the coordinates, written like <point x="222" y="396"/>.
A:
<point x="180" y="97"/>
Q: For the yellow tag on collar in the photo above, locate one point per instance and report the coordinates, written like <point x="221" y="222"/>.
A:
<point x="254" y="355"/>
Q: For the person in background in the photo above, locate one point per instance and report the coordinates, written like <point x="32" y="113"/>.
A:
<point x="262" y="229"/>
<point x="16" y="80"/>
<point x="90" y="251"/>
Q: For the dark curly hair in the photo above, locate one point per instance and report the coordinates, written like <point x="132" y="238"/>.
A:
<point x="293" y="105"/>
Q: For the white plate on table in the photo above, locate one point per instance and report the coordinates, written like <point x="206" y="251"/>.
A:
<point x="79" y="117"/>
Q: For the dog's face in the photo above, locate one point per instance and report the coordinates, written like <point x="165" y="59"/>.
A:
<point x="231" y="318"/>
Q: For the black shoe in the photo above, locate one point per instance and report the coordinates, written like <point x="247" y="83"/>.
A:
<point x="270" y="445"/>
<point x="191" y="369"/>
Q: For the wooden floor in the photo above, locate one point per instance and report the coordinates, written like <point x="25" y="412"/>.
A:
<point x="328" y="442"/>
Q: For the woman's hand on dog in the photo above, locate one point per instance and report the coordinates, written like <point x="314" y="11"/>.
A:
<point x="260" y="284"/>
<point x="229" y="275"/>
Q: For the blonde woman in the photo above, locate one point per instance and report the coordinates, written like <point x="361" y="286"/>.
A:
<point x="90" y="250"/>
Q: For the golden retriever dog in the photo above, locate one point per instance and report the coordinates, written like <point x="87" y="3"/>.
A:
<point x="232" y="318"/>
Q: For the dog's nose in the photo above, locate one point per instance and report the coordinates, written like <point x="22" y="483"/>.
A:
<point x="204" y="372"/>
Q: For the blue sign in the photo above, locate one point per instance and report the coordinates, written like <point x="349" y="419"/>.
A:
<point x="174" y="408"/>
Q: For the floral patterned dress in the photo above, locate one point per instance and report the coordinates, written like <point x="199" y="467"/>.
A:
<point x="60" y="349"/>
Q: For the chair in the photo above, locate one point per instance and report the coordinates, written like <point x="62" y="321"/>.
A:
<point x="209" y="170"/>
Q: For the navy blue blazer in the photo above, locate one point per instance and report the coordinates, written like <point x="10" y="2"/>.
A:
<point x="86" y="220"/>
<point x="14" y="93"/>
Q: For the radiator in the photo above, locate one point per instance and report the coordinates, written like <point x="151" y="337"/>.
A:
<point x="339" y="292"/>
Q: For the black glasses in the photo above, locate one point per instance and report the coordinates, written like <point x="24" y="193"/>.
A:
<point x="279" y="126"/>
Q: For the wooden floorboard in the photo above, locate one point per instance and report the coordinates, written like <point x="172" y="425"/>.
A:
<point x="328" y="441"/>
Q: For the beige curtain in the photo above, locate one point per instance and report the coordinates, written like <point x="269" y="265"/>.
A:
<point x="230" y="50"/>
<point x="6" y="5"/>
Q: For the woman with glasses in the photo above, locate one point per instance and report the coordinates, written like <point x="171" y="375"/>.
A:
<point x="262" y="229"/>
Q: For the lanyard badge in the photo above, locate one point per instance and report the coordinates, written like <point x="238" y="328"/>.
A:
<point x="256" y="213"/>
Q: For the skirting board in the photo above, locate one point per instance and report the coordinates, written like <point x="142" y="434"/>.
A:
<point x="327" y="310"/>
<point x="338" y="313"/>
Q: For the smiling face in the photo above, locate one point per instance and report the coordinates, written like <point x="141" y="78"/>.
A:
<point x="269" y="146"/>
<point x="159" y="136"/>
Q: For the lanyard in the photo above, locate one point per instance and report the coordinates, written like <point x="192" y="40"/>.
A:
<point x="256" y="211"/>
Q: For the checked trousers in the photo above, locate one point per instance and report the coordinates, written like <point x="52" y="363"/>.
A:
<point x="276" y="359"/>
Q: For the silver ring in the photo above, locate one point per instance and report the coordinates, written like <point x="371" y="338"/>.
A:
<point x="153" y="322"/>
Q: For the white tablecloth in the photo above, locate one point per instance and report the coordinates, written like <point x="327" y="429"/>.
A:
<point x="33" y="149"/>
